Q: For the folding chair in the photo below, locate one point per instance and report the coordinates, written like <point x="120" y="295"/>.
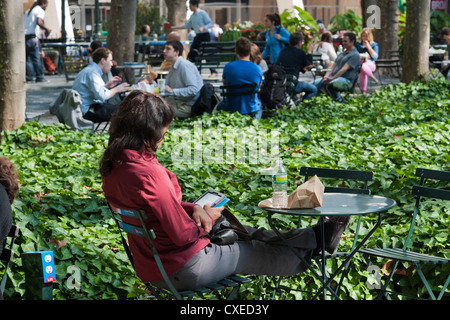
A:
<point x="7" y="256"/>
<point x="234" y="90"/>
<point x="244" y="89"/>
<point x="342" y="86"/>
<point x="139" y="229"/>
<point x="424" y="195"/>
<point x="340" y="181"/>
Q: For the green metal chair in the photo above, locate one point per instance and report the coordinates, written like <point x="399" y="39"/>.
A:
<point x="138" y="228"/>
<point x="342" y="86"/>
<point x="399" y="255"/>
<point x="8" y="255"/>
<point x="340" y="181"/>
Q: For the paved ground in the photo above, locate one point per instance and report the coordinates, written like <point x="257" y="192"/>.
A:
<point x="40" y="95"/>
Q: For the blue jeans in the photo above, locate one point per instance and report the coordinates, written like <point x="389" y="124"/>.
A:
<point x="308" y="88"/>
<point x="34" y="65"/>
<point x="335" y="95"/>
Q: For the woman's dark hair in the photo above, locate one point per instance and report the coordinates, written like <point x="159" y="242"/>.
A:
<point x="138" y="123"/>
<point x="8" y="178"/>
<point x="326" y="37"/>
<point x="274" y="17"/>
<point x="37" y="3"/>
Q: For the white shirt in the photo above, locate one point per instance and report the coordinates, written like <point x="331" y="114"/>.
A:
<point x="30" y="20"/>
<point x="327" y="51"/>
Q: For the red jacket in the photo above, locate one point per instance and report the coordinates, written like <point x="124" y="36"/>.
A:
<point x="139" y="181"/>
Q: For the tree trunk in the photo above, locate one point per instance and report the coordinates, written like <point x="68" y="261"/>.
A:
<point x="12" y="65"/>
<point x="122" y="25"/>
<point x="176" y="14"/>
<point x="387" y="35"/>
<point x="416" y="41"/>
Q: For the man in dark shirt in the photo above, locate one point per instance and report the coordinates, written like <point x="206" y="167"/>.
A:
<point x="295" y="60"/>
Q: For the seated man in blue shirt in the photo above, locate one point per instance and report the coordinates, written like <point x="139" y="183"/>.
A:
<point x="242" y="71"/>
<point x="344" y="69"/>
<point x="183" y="83"/>
<point x="93" y="90"/>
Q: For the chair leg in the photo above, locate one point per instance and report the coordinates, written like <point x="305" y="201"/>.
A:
<point x="233" y="293"/>
<point x="427" y="286"/>
<point x="444" y="288"/>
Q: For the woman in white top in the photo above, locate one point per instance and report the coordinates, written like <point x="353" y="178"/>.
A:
<point x="326" y="49"/>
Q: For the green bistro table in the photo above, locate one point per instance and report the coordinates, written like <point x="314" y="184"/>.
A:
<point x="336" y="204"/>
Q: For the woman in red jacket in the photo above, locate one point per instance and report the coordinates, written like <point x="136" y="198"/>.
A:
<point x="134" y="179"/>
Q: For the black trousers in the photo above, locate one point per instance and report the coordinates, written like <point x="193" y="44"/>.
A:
<point x="193" y="51"/>
<point x="102" y="112"/>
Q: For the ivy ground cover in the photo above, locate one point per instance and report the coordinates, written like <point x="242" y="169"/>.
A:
<point x="60" y="206"/>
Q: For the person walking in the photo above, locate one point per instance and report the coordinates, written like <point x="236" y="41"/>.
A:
<point x="33" y="23"/>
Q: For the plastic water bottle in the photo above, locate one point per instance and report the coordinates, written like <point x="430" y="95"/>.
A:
<point x="279" y="185"/>
<point x="340" y="48"/>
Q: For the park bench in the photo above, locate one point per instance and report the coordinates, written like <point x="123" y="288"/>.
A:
<point x="218" y="54"/>
<point x="138" y="228"/>
<point x="392" y="64"/>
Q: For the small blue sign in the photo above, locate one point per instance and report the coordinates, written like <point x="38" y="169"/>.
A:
<point x="48" y="265"/>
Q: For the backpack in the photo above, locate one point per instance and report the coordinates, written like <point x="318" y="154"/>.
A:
<point x="273" y="93"/>
<point x="206" y="101"/>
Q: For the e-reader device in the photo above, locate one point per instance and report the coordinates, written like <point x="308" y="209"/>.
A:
<point x="214" y="198"/>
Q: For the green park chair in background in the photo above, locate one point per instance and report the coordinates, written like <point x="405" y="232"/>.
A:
<point x="7" y="256"/>
<point x="437" y="195"/>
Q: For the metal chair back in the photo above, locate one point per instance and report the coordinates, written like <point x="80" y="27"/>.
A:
<point x="139" y="229"/>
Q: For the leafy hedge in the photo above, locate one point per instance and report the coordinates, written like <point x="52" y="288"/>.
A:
<point x="60" y="206"/>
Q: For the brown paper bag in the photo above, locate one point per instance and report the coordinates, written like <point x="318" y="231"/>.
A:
<point x="307" y="195"/>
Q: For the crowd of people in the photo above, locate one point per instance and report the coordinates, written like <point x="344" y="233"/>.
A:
<point x="184" y="82"/>
<point x="100" y="87"/>
<point x="134" y="179"/>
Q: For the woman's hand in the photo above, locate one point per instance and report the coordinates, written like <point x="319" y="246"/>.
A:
<point x="202" y="216"/>
<point x="366" y="44"/>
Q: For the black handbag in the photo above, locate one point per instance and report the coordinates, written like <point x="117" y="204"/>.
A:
<point x="227" y="230"/>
